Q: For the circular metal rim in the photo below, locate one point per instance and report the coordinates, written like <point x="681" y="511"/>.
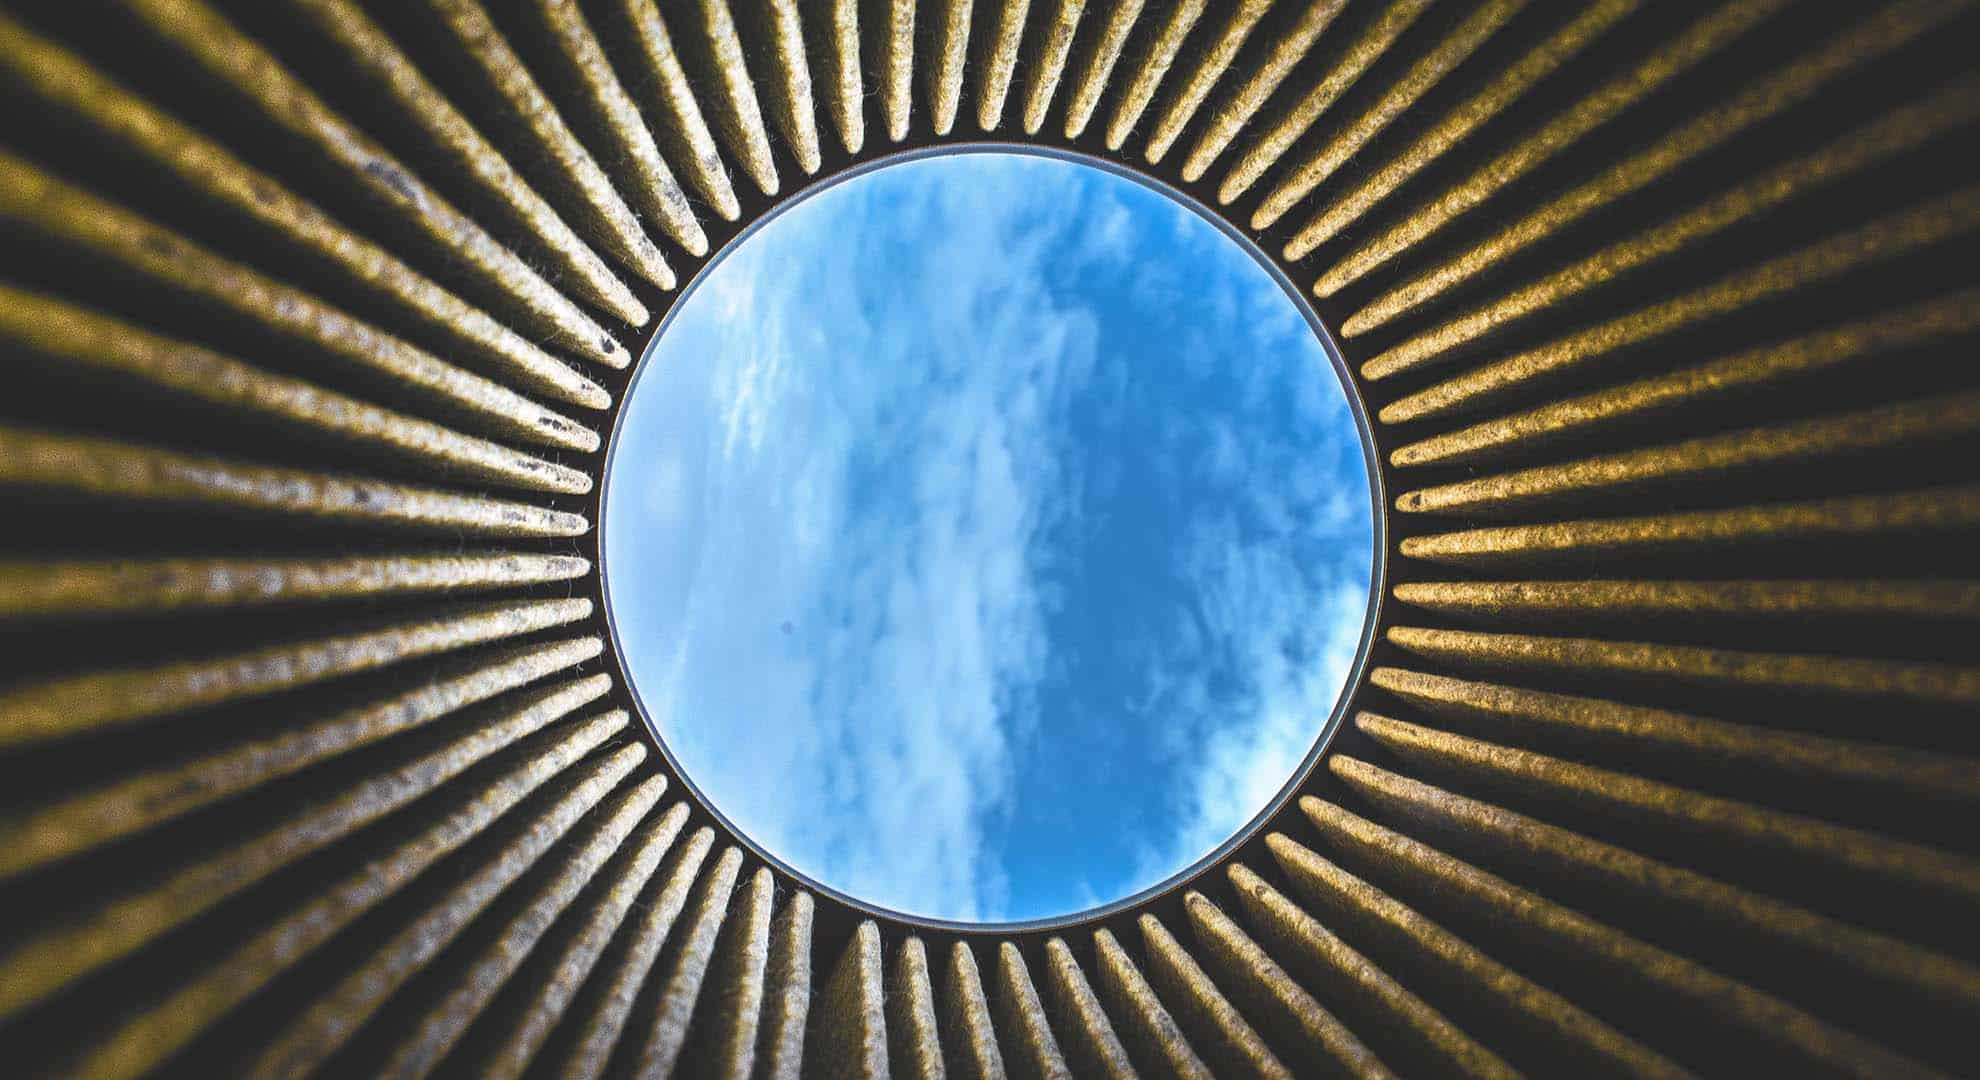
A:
<point x="1350" y="687"/>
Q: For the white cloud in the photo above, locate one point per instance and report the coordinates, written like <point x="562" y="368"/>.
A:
<point x="854" y="688"/>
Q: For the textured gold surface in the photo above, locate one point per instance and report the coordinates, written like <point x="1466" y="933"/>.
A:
<point x="916" y="1045"/>
<point x="315" y="754"/>
<point x="851" y="1023"/>
<point x="394" y="73"/>
<point x="1144" y="1019"/>
<point x="103" y="230"/>
<point x="1092" y="1048"/>
<point x="150" y="1034"/>
<point x="1051" y="63"/>
<point x="226" y="54"/>
<point x="971" y="1050"/>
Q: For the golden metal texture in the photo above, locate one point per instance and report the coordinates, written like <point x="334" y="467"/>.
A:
<point x="226" y="54"/>
<point x="851" y="1028"/>
<point x="1051" y="63"/>
<point x="689" y="140"/>
<point x="653" y="185"/>
<point x="1145" y="1021"/>
<point x="1032" y="1049"/>
<point x="972" y="1048"/>
<point x="1099" y="71"/>
<point x="102" y="230"/>
<point x="393" y="73"/>
<point x="1449" y="53"/>
<point x="146" y="1037"/>
<point x="1270" y="147"/>
<point x="1001" y="64"/>
<point x="1094" y="1049"/>
<point x="1287" y="52"/>
<point x="316" y="755"/>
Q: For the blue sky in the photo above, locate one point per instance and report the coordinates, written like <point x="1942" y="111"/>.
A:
<point x="988" y="537"/>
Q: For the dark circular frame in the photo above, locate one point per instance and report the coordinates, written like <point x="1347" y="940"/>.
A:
<point x="1377" y="587"/>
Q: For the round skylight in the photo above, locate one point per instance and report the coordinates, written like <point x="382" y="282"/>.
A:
<point x="988" y="537"/>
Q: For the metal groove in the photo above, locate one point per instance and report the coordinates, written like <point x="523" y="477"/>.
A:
<point x="254" y="76"/>
<point x="392" y="72"/>
<point x="1662" y="314"/>
<point x="148" y="1036"/>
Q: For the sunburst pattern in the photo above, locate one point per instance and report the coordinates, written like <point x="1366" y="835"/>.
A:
<point x="317" y="758"/>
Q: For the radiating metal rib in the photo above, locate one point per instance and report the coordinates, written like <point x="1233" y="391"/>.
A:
<point x="607" y="1000"/>
<point x="739" y="117"/>
<point x="652" y="183"/>
<point x="323" y="1028"/>
<point x="447" y="1020"/>
<point x="1149" y="1029"/>
<point x="844" y="75"/>
<point x="1542" y="931"/>
<point x="109" y="348"/>
<point x="995" y="82"/>
<point x="1890" y="135"/>
<point x="1226" y="1038"/>
<point x="257" y="78"/>
<point x="95" y="229"/>
<point x="1093" y="79"/>
<point x="1233" y="115"/>
<point x="144" y="1038"/>
<point x="524" y="1033"/>
<point x="1931" y="222"/>
<point x="1932" y="598"/>
<point x="1925" y="512"/>
<point x="1530" y="1010"/>
<point x="1924" y="978"/>
<point x="946" y="74"/>
<point x="1028" y="1037"/>
<point x="142" y="799"/>
<point x="1359" y="57"/>
<point x="686" y="133"/>
<point x="1154" y="67"/>
<point x="1208" y="72"/>
<point x="787" y="998"/>
<point x="1880" y="35"/>
<point x="1909" y="871"/>
<point x="1050" y="63"/>
<point x="972" y="1049"/>
<point x="1451" y="51"/>
<point x="1094" y="1049"/>
<point x="849" y="1021"/>
<point x="738" y="980"/>
<point x="47" y="590"/>
<point x="791" y="94"/>
<point x="897" y="67"/>
<point x="1949" y="684"/>
<point x="1419" y="1034"/>
<point x="1923" y="422"/>
<point x="1698" y="42"/>
<point x="391" y="72"/>
<point x="1749" y="371"/>
<point x="116" y="471"/>
<point x="1455" y="128"/>
<point x="1579" y="726"/>
<point x="70" y="706"/>
<point x="104" y="930"/>
<point x="667" y="1033"/>
<point x="914" y="1044"/>
<point x="1267" y="990"/>
<point x="109" y="112"/>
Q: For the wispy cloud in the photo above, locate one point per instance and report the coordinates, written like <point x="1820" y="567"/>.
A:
<point x="840" y="513"/>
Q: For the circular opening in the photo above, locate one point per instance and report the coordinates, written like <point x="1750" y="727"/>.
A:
<point x="990" y="537"/>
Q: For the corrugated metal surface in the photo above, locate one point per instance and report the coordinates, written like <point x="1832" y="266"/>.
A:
<point x="315" y="756"/>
